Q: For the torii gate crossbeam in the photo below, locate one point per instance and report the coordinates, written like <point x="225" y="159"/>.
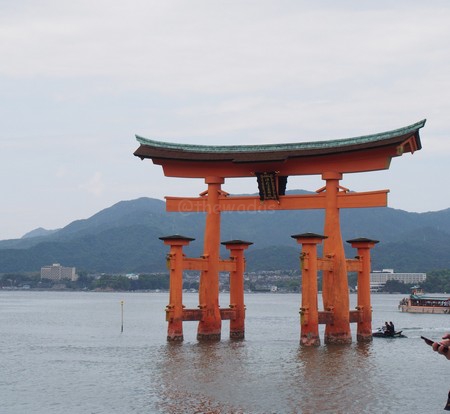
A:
<point x="287" y="202"/>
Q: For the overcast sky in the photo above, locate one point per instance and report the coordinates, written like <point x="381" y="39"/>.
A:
<point x="78" y="80"/>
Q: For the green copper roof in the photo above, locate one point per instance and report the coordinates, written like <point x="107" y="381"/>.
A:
<point x="337" y="143"/>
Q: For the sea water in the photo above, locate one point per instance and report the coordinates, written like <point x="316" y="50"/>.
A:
<point x="64" y="352"/>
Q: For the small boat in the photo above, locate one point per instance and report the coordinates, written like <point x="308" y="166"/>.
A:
<point x="382" y="333"/>
<point x="418" y="302"/>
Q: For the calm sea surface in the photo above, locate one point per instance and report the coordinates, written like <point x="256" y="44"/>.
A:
<point x="63" y="352"/>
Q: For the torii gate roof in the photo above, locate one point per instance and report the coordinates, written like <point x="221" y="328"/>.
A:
<point x="358" y="154"/>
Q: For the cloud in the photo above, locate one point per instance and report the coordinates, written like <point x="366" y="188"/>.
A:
<point x="94" y="185"/>
<point x="61" y="172"/>
<point x="79" y="79"/>
<point x="206" y="47"/>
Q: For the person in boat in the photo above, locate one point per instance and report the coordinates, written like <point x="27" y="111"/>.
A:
<point x="387" y="329"/>
<point x="442" y="347"/>
<point x="392" y="327"/>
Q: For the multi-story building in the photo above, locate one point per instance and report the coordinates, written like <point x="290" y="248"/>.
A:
<point x="378" y="278"/>
<point x="58" y="272"/>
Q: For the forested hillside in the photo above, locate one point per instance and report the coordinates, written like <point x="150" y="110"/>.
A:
<point x="125" y="238"/>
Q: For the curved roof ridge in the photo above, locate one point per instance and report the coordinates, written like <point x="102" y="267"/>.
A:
<point x="283" y="146"/>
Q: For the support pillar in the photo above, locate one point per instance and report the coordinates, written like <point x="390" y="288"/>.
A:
<point x="209" y="328"/>
<point x="364" y="331"/>
<point x="174" y="310"/>
<point x="309" y="312"/>
<point x="335" y="282"/>
<point x="237" y="324"/>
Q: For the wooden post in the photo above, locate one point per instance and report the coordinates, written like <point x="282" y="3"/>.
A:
<point x="237" y="324"/>
<point x="209" y="328"/>
<point x="174" y="310"/>
<point x="121" y="316"/>
<point x="309" y="312"/>
<point x="364" y="331"/>
<point x="335" y="282"/>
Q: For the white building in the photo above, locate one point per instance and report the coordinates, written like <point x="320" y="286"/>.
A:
<point x="378" y="278"/>
<point x="58" y="272"/>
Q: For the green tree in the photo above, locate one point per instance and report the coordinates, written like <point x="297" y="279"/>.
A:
<point x="151" y="282"/>
<point x="394" y="286"/>
<point x="10" y="280"/>
<point x="113" y="282"/>
<point x="438" y="281"/>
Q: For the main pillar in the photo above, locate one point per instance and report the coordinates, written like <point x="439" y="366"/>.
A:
<point x="364" y="331"/>
<point x="309" y="312"/>
<point x="174" y="310"/>
<point x="237" y="324"/>
<point x="209" y="328"/>
<point x="335" y="282"/>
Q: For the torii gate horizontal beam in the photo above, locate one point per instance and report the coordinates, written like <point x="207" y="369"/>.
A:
<point x="287" y="202"/>
<point x="349" y="155"/>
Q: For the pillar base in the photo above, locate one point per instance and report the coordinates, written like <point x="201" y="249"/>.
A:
<point x="364" y="337"/>
<point x="310" y="340"/>
<point x="237" y="334"/>
<point x="208" y="337"/>
<point x="338" y="339"/>
<point x="175" y="338"/>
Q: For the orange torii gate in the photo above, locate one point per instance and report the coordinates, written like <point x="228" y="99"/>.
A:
<point x="272" y="164"/>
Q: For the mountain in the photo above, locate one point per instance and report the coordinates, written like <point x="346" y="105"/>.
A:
<point x="38" y="232"/>
<point x="124" y="238"/>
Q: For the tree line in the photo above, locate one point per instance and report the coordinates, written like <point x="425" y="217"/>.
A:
<point x="438" y="281"/>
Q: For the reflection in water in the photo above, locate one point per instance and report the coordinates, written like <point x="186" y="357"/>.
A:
<point x="334" y="379"/>
<point x="225" y="377"/>
<point x="199" y="378"/>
